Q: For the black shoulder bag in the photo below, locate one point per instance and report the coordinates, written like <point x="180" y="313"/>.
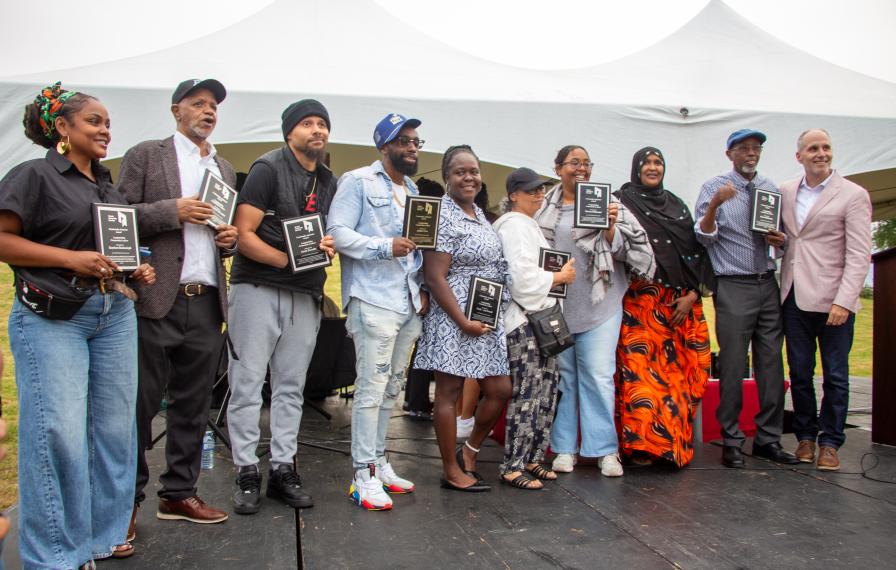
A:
<point x="550" y="330"/>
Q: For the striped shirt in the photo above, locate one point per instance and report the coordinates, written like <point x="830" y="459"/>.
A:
<point x="732" y="246"/>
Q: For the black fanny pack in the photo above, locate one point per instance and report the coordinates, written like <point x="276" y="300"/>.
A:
<point x="47" y="297"/>
<point x="550" y="330"/>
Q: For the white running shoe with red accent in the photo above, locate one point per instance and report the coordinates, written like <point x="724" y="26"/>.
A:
<point x="392" y="482"/>
<point x="367" y="491"/>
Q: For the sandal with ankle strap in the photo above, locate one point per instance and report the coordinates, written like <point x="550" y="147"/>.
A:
<point x="522" y="481"/>
<point x="459" y="455"/>
<point x="540" y="472"/>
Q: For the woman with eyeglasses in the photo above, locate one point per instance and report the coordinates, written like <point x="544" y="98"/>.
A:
<point x="604" y="260"/>
<point x="663" y="352"/>
<point x="530" y="412"/>
<point x="451" y="345"/>
<point x="73" y="334"/>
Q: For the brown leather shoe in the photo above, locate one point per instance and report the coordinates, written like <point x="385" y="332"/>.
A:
<point x="192" y="509"/>
<point x="827" y="459"/>
<point x="805" y="451"/>
<point x="132" y="527"/>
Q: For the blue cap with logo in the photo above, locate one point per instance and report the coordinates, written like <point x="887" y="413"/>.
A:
<point x="744" y="134"/>
<point x="387" y="129"/>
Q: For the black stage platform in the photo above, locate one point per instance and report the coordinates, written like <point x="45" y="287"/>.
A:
<point x="705" y="516"/>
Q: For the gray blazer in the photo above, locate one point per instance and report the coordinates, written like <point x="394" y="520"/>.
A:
<point x="150" y="180"/>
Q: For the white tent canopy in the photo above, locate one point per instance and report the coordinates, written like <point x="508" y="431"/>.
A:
<point x="725" y="71"/>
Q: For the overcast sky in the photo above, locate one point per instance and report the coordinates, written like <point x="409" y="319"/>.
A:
<point x="526" y="33"/>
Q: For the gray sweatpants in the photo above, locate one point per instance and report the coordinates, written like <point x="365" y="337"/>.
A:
<point x="268" y="326"/>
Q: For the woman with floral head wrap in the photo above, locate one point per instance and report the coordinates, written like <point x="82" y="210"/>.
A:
<point x="73" y="335"/>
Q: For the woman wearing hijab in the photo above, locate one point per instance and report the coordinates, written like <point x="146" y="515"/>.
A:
<point x="663" y="352"/>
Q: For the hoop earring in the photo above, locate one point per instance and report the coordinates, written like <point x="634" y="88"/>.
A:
<point x="63" y="146"/>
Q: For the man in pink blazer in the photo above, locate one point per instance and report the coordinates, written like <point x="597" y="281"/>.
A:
<point x="827" y="220"/>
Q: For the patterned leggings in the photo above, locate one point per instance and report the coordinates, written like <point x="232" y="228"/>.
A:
<point x="530" y="411"/>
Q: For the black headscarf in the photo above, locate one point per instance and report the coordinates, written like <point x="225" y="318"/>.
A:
<point x="681" y="261"/>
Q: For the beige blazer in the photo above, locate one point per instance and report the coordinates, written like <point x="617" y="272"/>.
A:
<point x="826" y="260"/>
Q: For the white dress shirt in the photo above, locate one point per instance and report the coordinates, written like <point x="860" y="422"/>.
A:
<point x="200" y="251"/>
<point x="806" y="198"/>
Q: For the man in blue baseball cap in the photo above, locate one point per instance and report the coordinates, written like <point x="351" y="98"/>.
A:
<point x="748" y="311"/>
<point x="381" y="277"/>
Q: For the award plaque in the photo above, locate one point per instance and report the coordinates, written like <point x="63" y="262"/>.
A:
<point x="592" y="205"/>
<point x="766" y="214"/>
<point x="115" y="230"/>
<point x="303" y="235"/>
<point x="421" y="221"/>
<point x="484" y="301"/>
<point x="553" y="260"/>
<point x="220" y="196"/>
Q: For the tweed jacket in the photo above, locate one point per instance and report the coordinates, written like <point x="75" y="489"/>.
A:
<point x="150" y="180"/>
<point x="827" y="259"/>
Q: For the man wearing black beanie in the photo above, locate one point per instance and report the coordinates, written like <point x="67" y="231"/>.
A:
<point x="274" y="313"/>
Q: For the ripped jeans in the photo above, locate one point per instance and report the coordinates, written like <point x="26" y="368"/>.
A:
<point x="383" y="342"/>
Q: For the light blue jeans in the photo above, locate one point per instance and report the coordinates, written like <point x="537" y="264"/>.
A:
<point x="589" y="393"/>
<point x="383" y="342"/>
<point x="77" y="384"/>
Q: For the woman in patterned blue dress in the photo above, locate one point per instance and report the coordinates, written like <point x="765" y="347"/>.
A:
<point x="451" y="345"/>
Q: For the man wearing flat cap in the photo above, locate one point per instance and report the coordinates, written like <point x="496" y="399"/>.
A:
<point x="275" y="313"/>
<point x="748" y="312"/>
<point x="180" y="317"/>
<point x="381" y="277"/>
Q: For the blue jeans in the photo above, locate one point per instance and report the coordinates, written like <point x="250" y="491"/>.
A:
<point x="77" y="384"/>
<point x="589" y="393"/>
<point x="383" y="342"/>
<point x="802" y="329"/>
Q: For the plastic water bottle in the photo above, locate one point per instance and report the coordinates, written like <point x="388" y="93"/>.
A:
<point x="208" y="450"/>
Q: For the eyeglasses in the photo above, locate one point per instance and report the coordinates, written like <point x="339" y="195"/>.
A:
<point x="578" y="163"/>
<point x="405" y="141"/>
<point x="536" y="191"/>
<point x="757" y="148"/>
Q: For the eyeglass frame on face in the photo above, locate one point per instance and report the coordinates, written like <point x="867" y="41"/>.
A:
<point x="743" y="148"/>
<point x="535" y="191"/>
<point x="404" y="141"/>
<point x="576" y="163"/>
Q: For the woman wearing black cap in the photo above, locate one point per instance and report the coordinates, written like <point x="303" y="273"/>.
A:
<point x="663" y="353"/>
<point x="530" y="412"/>
<point x="73" y="334"/>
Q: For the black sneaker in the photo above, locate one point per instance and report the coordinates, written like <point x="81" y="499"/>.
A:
<point x="284" y="484"/>
<point x="247" y="496"/>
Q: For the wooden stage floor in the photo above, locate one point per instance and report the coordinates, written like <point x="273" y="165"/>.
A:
<point x="705" y="516"/>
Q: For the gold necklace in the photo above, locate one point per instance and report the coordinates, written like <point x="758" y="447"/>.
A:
<point x="395" y="196"/>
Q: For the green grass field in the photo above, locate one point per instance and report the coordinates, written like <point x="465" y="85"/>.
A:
<point x="859" y="361"/>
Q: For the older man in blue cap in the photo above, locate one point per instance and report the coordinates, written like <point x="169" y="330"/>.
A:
<point x="747" y="305"/>
<point x="381" y="295"/>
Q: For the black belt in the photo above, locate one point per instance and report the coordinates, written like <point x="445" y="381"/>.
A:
<point x="194" y="289"/>
<point x="750" y="277"/>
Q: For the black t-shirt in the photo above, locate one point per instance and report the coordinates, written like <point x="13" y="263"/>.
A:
<point x="260" y="191"/>
<point x="54" y="201"/>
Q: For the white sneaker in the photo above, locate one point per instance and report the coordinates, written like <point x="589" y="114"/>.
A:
<point x="367" y="491"/>
<point x="392" y="482"/>
<point x="610" y="465"/>
<point x="465" y="427"/>
<point x="563" y="463"/>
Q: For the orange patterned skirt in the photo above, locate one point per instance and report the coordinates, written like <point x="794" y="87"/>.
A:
<point x="661" y="374"/>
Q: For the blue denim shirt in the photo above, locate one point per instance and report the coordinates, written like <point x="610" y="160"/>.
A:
<point x="363" y="219"/>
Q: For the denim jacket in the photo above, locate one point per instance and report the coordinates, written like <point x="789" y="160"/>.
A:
<point x="363" y="219"/>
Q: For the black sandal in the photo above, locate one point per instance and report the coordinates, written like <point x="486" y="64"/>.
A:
<point x="540" y="472"/>
<point x="522" y="481"/>
<point x="459" y="455"/>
